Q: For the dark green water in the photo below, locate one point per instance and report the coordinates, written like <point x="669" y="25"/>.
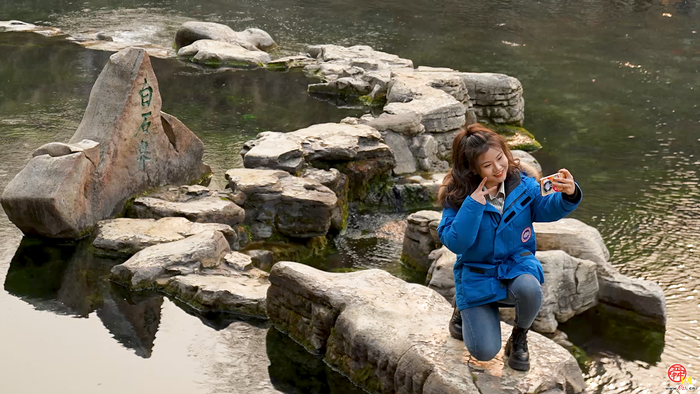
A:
<point x="610" y="89"/>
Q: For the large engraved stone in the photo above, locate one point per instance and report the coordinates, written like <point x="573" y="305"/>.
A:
<point x="124" y="146"/>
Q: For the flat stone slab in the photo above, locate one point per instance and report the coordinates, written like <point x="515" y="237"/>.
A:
<point x="223" y="54"/>
<point x="125" y="237"/>
<point x="389" y="336"/>
<point x="196" y="203"/>
<point x="234" y="293"/>
<point x="187" y="256"/>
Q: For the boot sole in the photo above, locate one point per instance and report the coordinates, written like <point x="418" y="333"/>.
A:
<point x="519" y="365"/>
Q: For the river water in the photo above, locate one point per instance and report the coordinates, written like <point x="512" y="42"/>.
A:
<point x="611" y="92"/>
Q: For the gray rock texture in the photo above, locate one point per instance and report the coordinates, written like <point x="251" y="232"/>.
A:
<point x="404" y="194"/>
<point x="353" y="71"/>
<point x="355" y="150"/>
<point x="277" y="203"/>
<point x="642" y="297"/>
<point x="496" y="98"/>
<point x="420" y="239"/>
<point x="527" y="159"/>
<point x="125" y="237"/>
<point x="389" y="336"/>
<point x="570" y="288"/>
<point x="223" y="54"/>
<point x="441" y="277"/>
<point x="242" y="293"/>
<point x="250" y="39"/>
<point x="196" y="203"/>
<point x="62" y="195"/>
<point x="190" y="255"/>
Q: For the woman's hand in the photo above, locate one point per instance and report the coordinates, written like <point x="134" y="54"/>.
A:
<point x="480" y="194"/>
<point x="564" y="183"/>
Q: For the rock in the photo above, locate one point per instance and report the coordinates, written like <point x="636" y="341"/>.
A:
<point x="404" y="194"/>
<point x="390" y="336"/>
<point x="405" y="162"/>
<point x="642" y="297"/>
<point x="570" y="288"/>
<point x="19" y="26"/>
<point x="418" y="241"/>
<point x="357" y="71"/>
<point x="289" y="62"/>
<point x="238" y="294"/>
<point x="437" y="97"/>
<point x="339" y="184"/>
<point x="497" y="98"/>
<point x="223" y="54"/>
<point x="262" y="259"/>
<point x="187" y="256"/>
<point x="125" y="237"/>
<point x="196" y="203"/>
<point x="527" y="159"/>
<point x="278" y="203"/>
<point x="407" y="124"/>
<point x="355" y="150"/>
<point x="250" y="39"/>
<point x="140" y="148"/>
<point x="441" y="277"/>
<point x="239" y="261"/>
<point x="573" y="237"/>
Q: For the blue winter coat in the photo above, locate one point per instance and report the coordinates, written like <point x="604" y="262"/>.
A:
<point x="491" y="247"/>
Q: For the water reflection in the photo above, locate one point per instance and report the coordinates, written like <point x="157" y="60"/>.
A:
<point x="293" y="370"/>
<point x="68" y="279"/>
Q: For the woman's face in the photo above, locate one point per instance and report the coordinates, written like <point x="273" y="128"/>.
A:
<point x="493" y="165"/>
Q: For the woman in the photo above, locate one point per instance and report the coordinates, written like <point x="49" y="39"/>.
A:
<point x="489" y="206"/>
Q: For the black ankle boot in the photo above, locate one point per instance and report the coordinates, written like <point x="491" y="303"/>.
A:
<point x="456" y="323"/>
<point x="516" y="350"/>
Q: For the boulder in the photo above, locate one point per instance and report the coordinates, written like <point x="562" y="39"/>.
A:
<point x="63" y="195"/>
<point x="570" y="288"/>
<point x="419" y="241"/>
<point x="239" y="293"/>
<point x="358" y="71"/>
<point x="338" y="183"/>
<point x="527" y="159"/>
<point x="125" y="237"/>
<point x="249" y="39"/>
<point x="404" y="194"/>
<point x="355" y="150"/>
<point x="496" y="98"/>
<point x="390" y="336"/>
<point x="573" y="237"/>
<point x="223" y="54"/>
<point x="441" y="277"/>
<point x="438" y="97"/>
<point x="277" y="203"/>
<point x="187" y="256"/>
<point x="642" y="297"/>
<point x="196" y="203"/>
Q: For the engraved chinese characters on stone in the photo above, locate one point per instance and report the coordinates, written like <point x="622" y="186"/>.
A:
<point x="146" y="94"/>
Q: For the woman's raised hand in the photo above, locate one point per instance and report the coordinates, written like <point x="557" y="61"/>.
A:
<point x="564" y="183"/>
<point x="480" y="194"/>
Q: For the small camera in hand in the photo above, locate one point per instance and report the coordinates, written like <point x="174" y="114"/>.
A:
<point x="546" y="184"/>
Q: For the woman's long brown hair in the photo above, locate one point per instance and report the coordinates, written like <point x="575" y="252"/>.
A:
<point x="463" y="178"/>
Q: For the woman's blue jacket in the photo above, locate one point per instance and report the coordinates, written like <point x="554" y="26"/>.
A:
<point x="491" y="246"/>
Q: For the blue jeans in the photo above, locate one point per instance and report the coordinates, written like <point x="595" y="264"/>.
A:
<point x="481" y="326"/>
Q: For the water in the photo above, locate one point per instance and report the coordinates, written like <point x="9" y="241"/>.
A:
<point x="610" y="90"/>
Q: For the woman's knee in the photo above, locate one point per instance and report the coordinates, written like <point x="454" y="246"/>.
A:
<point x="484" y="351"/>
<point x="527" y="288"/>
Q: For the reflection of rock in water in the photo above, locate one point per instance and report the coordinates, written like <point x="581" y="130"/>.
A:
<point x="294" y="370"/>
<point x="133" y="322"/>
<point x="67" y="279"/>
